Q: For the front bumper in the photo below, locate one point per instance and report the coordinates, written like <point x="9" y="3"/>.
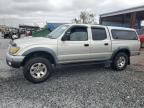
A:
<point x="14" y="61"/>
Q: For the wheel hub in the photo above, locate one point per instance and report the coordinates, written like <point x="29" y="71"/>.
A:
<point x="121" y="62"/>
<point x="38" y="70"/>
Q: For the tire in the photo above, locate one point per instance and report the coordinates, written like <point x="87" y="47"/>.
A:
<point x="37" y="70"/>
<point x="120" y="61"/>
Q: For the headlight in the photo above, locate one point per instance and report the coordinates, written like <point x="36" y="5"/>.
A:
<point x="13" y="50"/>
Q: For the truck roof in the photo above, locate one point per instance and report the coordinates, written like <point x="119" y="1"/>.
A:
<point x="120" y="28"/>
<point x="110" y="27"/>
<point x="86" y="25"/>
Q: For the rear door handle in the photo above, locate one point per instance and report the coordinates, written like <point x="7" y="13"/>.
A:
<point x="106" y="44"/>
<point x="86" y="45"/>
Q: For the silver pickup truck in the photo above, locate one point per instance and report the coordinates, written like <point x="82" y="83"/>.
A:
<point x="73" y="44"/>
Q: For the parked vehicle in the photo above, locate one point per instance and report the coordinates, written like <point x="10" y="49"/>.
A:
<point x="142" y="40"/>
<point x="141" y="36"/>
<point x="14" y="36"/>
<point x="7" y="34"/>
<point x="28" y="33"/>
<point x="11" y="34"/>
<point x="73" y="44"/>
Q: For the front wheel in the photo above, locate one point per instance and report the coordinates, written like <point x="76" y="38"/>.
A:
<point x="37" y="69"/>
<point x="120" y="62"/>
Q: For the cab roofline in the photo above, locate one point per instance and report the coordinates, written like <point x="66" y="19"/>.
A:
<point x="110" y="27"/>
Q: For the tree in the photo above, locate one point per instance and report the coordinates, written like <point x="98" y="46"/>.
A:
<point x="85" y="18"/>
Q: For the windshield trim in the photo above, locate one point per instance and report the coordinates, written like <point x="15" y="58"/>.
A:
<point x="56" y="33"/>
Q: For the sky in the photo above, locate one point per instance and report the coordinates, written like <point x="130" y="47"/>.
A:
<point x="38" y="12"/>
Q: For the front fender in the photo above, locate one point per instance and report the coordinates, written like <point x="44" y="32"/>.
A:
<point x="39" y="49"/>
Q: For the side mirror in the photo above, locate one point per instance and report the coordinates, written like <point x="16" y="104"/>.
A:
<point x="66" y="36"/>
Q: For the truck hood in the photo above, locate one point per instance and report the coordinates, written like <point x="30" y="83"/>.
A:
<point x="35" y="41"/>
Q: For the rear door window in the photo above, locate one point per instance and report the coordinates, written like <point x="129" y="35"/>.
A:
<point x="98" y="33"/>
<point x="124" y="35"/>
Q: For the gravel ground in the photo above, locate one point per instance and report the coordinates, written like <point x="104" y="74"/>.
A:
<point x="90" y="86"/>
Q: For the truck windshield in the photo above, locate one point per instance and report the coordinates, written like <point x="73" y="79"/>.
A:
<point x="58" y="32"/>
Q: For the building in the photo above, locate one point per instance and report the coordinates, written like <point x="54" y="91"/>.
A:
<point x="52" y="26"/>
<point x="29" y="28"/>
<point x="131" y="17"/>
<point x="4" y="28"/>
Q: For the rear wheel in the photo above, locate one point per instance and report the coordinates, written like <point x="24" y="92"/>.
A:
<point x="120" y="61"/>
<point x="37" y="69"/>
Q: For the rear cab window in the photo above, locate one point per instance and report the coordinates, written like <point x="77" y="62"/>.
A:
<point x="124" y="34"/>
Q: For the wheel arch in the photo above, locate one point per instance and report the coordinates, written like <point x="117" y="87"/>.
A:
<point x="42" y="52"/>
<point x="124" y="50"/>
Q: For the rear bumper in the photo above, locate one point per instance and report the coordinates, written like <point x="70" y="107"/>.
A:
<point x="14" y="61"/>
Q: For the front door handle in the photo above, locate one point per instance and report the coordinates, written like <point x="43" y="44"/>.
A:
<point x="86" y="45"/>
<point x="106" y="44"/>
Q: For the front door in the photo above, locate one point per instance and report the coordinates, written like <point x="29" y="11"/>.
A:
<point x="75" y="47"/>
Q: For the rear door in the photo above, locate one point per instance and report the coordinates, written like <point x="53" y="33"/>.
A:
<point x="100" y="48"/>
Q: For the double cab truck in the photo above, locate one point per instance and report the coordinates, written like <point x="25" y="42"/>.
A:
<point x="73" y="44"/>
